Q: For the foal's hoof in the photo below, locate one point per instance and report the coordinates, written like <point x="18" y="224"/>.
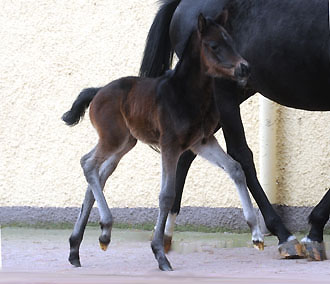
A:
<point x="104" y="243"/>
<point x="164" y="265"/>
<point x="167" y="243"/>
<point x="152" y="235"/>
<point x="104" y="246"/>
<point x="259" y="245"/>
<point x="74" y="261"/>
<point x="314" y="250"/>
<point x="291" y="250"/>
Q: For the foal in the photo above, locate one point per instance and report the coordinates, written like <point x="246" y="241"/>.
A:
<point x="175" y="112"/>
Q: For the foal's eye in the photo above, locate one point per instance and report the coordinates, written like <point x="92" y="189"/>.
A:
<point x="225" y="37"/>
<point x="213" y="46"/>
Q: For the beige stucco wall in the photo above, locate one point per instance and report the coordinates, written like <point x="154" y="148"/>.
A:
<point x="50" y="50"/>
<point x="303" y="156"/>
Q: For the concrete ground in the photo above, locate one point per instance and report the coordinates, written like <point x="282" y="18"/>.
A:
<point x="40" y="256"/>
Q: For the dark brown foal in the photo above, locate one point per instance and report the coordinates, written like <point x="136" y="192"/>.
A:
<point x="175" y="112"/>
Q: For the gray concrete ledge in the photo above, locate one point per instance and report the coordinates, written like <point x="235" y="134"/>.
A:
<point x="295" y="218"/>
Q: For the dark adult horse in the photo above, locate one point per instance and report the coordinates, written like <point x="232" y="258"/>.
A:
<point x="287" y="45"/>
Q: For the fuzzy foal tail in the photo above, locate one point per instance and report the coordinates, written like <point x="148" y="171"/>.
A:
<point x="77" y="111"/>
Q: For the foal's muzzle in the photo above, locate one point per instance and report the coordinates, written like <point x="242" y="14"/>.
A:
<point x="242" y="72"/>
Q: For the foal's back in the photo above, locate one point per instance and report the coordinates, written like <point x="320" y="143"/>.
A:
<point x="127" y="105"/>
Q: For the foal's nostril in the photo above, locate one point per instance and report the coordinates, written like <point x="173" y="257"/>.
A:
<point x="245" y="70"/>
<point x="242" y="70"/>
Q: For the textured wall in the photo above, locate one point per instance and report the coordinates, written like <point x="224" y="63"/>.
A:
<point x="303" y="156"/>
<point x="50" y="50"/>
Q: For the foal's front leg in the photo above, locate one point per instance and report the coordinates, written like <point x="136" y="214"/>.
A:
<point x="166" y="199"/>
<point x="212" y="152"/>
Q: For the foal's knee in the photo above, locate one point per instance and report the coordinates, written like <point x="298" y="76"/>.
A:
<point x="88" y="164"/>
<point x="236" y="172"/>
<point x="83" y="160"/>
<point x="166" y="200"/>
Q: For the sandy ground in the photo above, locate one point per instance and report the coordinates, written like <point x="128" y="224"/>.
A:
<point x="40" y="256"/>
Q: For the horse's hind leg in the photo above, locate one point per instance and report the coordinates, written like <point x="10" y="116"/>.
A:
<point x="313" y="242"/>
<point x="212" y="152"/>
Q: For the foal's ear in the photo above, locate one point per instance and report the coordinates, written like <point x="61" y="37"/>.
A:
<point x="222" y="18"/>
<point x="201" y="23"/>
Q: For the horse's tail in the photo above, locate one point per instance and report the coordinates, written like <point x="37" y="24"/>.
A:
<point x="158" y="53"/>
<point x="77" y="111"/>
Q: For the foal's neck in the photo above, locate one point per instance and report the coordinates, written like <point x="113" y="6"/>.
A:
<point x="190" y="71"/>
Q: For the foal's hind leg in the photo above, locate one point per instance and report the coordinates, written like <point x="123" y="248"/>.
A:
<point x="79" y="228"/>
<point x="91" y="164"/>
<point x="212" y="152"/>
<point x="98" y="165"/>
<point x="313" y="242"/>
<point x="106" y="169"/>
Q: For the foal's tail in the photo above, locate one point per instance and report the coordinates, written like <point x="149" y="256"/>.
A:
<point x="158" y="53"/>
<point x="77" y="111"/>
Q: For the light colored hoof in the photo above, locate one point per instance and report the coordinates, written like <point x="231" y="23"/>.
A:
<point x="167" y="243"/>
<point x="258" y="245"/>
<point x="314" y="250"/>
<point x="291" y="250"/>
<point x="152" y="235"/>
<point x="104" y="247"/>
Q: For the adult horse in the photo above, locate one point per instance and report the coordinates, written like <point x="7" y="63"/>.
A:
<point x="287" y="45"/>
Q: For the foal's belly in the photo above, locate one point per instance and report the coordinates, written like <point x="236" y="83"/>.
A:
<point x="146" y="135"/>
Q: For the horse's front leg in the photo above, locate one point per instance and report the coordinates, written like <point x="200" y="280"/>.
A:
<point x="228" y="104"/>
<point x="313" y="242"/>
<point x="166" y="199"/>
<point x="212" y="152"/>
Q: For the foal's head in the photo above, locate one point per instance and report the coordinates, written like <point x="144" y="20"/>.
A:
<point x="218" y="52"/>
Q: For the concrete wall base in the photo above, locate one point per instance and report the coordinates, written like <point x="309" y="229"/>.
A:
<point x="295" y="218"/>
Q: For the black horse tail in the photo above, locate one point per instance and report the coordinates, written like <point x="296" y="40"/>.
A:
<point x="77" y="111"/>
<point x="158" y="53"/>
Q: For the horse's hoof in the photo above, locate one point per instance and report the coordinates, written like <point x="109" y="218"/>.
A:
<point x="259" y="245"/>
<point x="167" y="243"/>
<point x="291" y="250"/>
<point x="314" y="250"/>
